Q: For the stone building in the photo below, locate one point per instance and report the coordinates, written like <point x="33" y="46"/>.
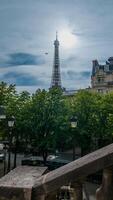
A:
<point x="102" y="76"/>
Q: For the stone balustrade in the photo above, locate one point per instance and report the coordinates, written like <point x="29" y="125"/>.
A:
<point x="30" y="184"/>
<point x="17" y="185"/>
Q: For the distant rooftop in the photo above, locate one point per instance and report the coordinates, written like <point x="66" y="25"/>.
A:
<point x="70" y="92"/>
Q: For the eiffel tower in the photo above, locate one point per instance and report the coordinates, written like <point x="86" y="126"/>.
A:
<point x="56" y="77"/>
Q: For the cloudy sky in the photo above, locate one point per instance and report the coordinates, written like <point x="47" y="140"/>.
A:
<point x="27" y="32"/>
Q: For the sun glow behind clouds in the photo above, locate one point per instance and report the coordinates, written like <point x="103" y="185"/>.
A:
<point x="67" y="39"/>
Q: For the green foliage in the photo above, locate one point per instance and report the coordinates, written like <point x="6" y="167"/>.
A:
<point x="6" y="93"/>
<point x="95" y="117"/>
<point x="48" y="115"/>
<point x="85" y="107"/>
<point x="43" y="119"/>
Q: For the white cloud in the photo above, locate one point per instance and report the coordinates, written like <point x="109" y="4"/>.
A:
<point x="29" y="26"/>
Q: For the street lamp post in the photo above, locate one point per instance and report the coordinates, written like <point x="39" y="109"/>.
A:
<point x="15" y="153"/>
<point x="5" y="152"/>
<point x="10" y="125"/>
<point x="2" y="117"/>
<point x="73" y="123"/>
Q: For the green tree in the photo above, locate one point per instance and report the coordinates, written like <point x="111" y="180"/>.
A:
<point x="105" y="113"/>
<point x="47" y="118"/>
<point x="85" y="106"/>
<point x="7" y="93"/>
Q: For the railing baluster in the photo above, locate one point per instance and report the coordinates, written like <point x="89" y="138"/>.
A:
<point x="78" y="190"/>
<point x="25" y="183"/>
<point x="66" y="192"/>
<point x="51" y="196"/>
<point x="105" y="192"/>
<point x="86" y="192"/>
<point x="41" y="197"/>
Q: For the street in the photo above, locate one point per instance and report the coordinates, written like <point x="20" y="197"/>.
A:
<point x="19" y="158"/>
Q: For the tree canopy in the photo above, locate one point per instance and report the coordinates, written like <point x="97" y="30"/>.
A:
<point x="43" y="118"/>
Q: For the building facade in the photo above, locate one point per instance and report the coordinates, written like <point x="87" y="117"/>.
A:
<point x="102" y="76"/>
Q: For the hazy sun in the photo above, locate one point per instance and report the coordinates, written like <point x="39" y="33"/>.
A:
<point x="67" y="39"/>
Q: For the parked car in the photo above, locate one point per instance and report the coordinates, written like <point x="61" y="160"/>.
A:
<point x="1" y="146"/>
<point x="51" y="157"/>
<point x="2" y="157"/>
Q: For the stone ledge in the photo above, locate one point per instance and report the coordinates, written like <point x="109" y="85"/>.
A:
<point x="17" y="185"/>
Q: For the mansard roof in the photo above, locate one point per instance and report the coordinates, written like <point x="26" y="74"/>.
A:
<point x="110" y="59"/>
<point x="107" y="68"/>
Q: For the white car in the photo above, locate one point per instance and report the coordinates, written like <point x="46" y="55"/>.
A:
<point x="51" y="157"/>
<point x="2" y="156"/>
<point x="1" y="146"/>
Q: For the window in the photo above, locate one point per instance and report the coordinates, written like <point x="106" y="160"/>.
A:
<point x="100" y="90"/>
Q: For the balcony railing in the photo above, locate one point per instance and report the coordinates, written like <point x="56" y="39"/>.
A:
<point x="16" y="186"/>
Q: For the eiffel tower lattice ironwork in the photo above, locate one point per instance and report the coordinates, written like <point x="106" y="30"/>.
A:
<point x="56" y="77"/>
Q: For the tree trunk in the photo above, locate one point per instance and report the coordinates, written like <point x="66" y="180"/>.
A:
<point x="15" y="157"/>
<point x="15" y="153"/>
<point x="9" y="151"/>
<point x="45" y="154"/>
<point x="74" y="152"/>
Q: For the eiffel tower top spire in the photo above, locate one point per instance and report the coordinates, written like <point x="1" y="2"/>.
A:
<point x="56" y="35"/>
<point x="56" y="78"/>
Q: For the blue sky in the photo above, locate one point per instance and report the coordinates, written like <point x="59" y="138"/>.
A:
<point x="27" y="31"/>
